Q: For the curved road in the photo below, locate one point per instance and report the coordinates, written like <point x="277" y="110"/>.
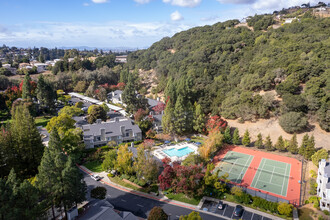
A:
<point x="138" y="205"/>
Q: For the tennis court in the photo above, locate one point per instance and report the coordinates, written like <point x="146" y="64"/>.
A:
<point x="272" y="176"/>
<point x="235" y="164"/>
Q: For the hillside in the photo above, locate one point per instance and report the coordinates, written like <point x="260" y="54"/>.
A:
<point x="223" y="68"/>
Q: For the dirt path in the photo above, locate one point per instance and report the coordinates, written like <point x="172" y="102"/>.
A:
<point x="271" y="127"/>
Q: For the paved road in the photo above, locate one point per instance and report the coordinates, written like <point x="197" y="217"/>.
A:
<point x="140" y="206"/>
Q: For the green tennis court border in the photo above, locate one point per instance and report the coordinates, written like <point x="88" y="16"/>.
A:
<point x="235" y="164"/>
<point x="272" y="176"/>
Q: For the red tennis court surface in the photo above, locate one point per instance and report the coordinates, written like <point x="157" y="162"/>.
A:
<point x="293" y="190"/>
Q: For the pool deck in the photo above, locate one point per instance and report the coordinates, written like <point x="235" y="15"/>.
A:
<point x="160" y="154"/>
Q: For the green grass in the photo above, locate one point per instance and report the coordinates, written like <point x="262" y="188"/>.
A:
<point x="94" y="166"/>
<point x="305" y="214"/>
<point x="116" y="179"/>
<point x="42" y="120"/>
<point x="183" y="198"/>
<point x="198" y="139"/>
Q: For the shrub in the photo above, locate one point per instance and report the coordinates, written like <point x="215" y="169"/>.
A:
<point x="157" y="213"/>
<point x="326" y="212"/>
<point x="237" y="191"/>
<point x="141" y="183"/>
<point x="315" y="200"/>
<point x="293" y="122"/>
<point x="285" y="209"/>
<point x="124" y="176"/>
<point x="110" y="175"/>
<point x="264" y="204"/>
<point x="244" y="198"/>
<point x="99" y="192"/>
<point x="313" y="187"/>
<point x="313" y="173"/>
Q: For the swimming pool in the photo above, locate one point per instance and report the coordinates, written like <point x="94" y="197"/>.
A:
<point x="178" y="152"/>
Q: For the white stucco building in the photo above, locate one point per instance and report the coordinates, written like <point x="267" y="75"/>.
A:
<point x="323" y="184"/>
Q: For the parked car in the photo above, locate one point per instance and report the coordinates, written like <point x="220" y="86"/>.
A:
<point x="221" y="205"/>
<point x="238" y="211"/>
<point x="95" y="177"/>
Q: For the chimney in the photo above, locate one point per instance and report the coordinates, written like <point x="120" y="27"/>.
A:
<point x="117" y="119"/>
<point x="122" y="129"/>
<point x="102" y="130"/>
<point x="98" y="121"/>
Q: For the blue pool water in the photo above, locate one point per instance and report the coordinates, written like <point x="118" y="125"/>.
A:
<point x="178" y="152"/>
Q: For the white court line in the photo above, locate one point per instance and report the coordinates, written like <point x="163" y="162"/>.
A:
<point x="259" y="172"/>
<point x="272" y="174"/>
<point x="271" y="183"/>
<point x="286" y="166"/>
<point x="232" y="165"/>
<point x="244" y="166"/>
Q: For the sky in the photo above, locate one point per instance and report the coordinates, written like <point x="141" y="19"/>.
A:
<point x="117" y="23"/>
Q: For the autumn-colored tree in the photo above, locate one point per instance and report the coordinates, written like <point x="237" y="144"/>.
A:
<point x="140" y="114"/>
<point x="159" y="108"/>
<point x="148" y="143"/>
<point x="166" y="177"/>
<point x="124" y="160"/>
<point x="150" y="133"/>
<point x="216" y="123"/>
<point x="157" y="213"/>
<point x="211" y="145"/>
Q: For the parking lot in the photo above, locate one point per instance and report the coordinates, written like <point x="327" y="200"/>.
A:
<point x="228" y="211"/>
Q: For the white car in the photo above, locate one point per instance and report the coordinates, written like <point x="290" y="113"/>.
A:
<point x="95" y="177"/>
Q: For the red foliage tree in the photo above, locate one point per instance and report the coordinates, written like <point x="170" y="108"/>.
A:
<point x="121" y="86"/>
<point x="33" y="86"/>
<point x="216" y="123"/>
<point x="139" y="114"/>
<point x="165" y="179"/>
<point x="148" y="143"/>
<point x="159" y="108"/>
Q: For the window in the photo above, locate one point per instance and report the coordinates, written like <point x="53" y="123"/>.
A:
<point x="127" y="134"/>
<point x="119" y="137"/>
<point x="109" y="138"/>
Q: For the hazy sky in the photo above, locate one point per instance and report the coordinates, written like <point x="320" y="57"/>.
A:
<point x="116" y="23"/>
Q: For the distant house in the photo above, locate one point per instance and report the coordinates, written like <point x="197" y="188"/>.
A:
<point x="116" y="97"/>
<point x="103" y="210"/>
<point x="156" y="121"/>
<point x="323" y="184"/>
<point x="119" y="130"/>
<point x="41" y="67"/>
<point x="121" y="59"/>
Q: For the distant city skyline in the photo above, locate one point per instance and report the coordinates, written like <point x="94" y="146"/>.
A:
<point x="117" y="23"/>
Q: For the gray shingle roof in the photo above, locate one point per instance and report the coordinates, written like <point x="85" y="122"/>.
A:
<point x="153" y="102"/>
<point x="112" y="128"/>
<point x="116" y="94"/>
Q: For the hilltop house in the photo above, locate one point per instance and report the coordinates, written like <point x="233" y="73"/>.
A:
<point x="119" y="130"/>
<point x="115" y="97"/>
<point x="323" y="184"/>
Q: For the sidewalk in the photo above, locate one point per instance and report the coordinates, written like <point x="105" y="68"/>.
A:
<point x="162" y="198"/>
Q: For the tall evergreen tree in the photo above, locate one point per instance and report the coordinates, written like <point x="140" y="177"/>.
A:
<point x="293" y="145"/>
<point x="236" y="138"/>
<point x="269" y="144"/>
<point x="27" y="141"/>
<point x="199" y="119"/>
<point x="46" y="94"/>
<point x="180" y="122"/>
<point x="227" y="136"/>
<point x="58" y="178"/>
<point x="170" y="90"/>
<point x="246" y="138"/>
<point x="168" y="118"/>
<point x="259" y="142"/>
<point x="26" y="88"/>
<point x="280" y="145"/>
<point x="129" y="95"/>
<point x="303" y="145"/>
<point x="310" y="148"/>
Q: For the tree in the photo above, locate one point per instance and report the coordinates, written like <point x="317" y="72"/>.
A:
<point x="46" y="94"/>
<point x="99" y="192"/>
<point x="124" y="160"/>
<point x="192" y="216"/>
<point x="212" y="144"/>
<point x="168" y="119"/>
<point x="259" y="142"/>
<point x="129" y="95"/>
<point x="236" y="138"/>
<point x="80" y="87"/>
<point x="285" y="209"/>
<point x="109" y="161"/>
<point x="293" y="145"/>
<point x="319" y="155"/>
<point x="157" y="213"/>
<point x="140" y="114"/>
<point x="246" y="138"/>
<point x="303" y="146"/>
<point x="165" y="179"/>
<point x="71" y="111"/>
<point x="58" y="177"/>
<point x="280" y="144"/>
<point x="27" y="141"/>
<point x="101" y="94"/>
<point x="199" y="119"/>
<point x="293" y="122"/>
<point x="180" y="115"/>
<point x="310" y="148"/>
<point x="62" y="123"/>
<point x="145" y="166"/>
<point x="26" y="89"/>
<point x="227" y="136"/>
<point x="269" y="144"/>
<point x="91" y="89"/>
<point x="96" y="112"/>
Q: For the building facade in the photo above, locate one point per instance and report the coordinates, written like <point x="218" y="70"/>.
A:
<point x="323" y="184"/>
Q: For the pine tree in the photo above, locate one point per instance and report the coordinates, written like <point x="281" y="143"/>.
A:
<point x="310" y="148"/>
<point x="129" y="95"/>
<point x="303" y="145"/>
<point x="227" y="135"/>
<point x="46" y="94"/>
<point x="168" y="118"/>
<point x="280" y="144"/>
<point x="236" y="138"/>
<point x="26" y="89"/>
<point x="293" y="145"/>
<point x="259" y="142"/>
<point x="269" y="144"/>
<point x="170" y="90"/>
<point x="246" y="138"/>
<point x="27" y="141"/>
<point x="180" y="116"/>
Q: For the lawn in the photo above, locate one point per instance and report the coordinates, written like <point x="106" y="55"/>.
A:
<point x="198" y="139"/>
<point x="305" y="214"/>
<point x="182" y="198"/>
<point x="42" y="120"/>
<point x="94" y="166"/>
<point x="148" y="189"/>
